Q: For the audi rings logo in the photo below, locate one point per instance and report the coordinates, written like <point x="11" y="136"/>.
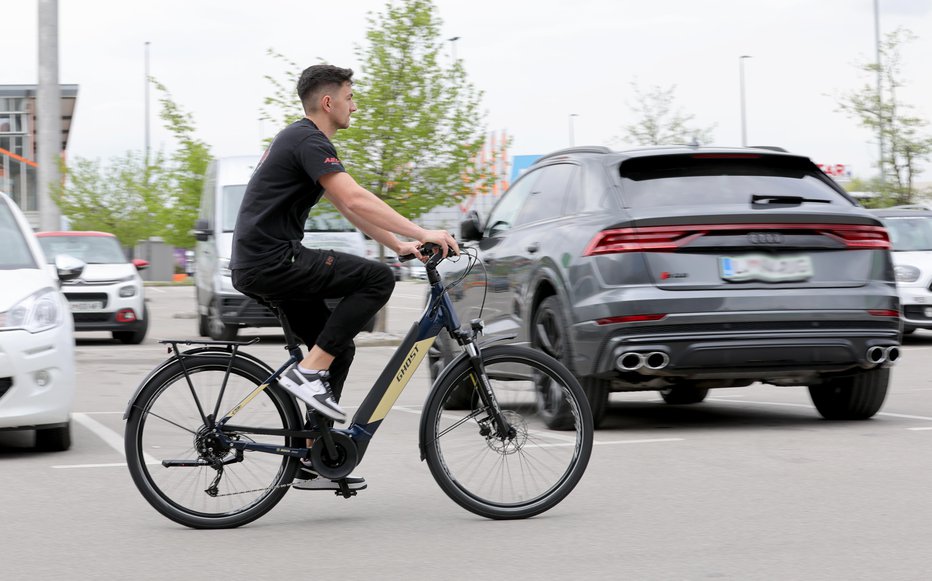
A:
<point x="765" y="238"/>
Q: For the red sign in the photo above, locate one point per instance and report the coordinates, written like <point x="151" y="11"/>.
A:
<point x="838" y="170"/>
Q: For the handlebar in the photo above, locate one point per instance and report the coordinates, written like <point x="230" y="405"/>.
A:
<point x="431" y="249"/>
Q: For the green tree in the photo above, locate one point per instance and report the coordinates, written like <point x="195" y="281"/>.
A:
<point x="182" y="177"/>
<point x="114" y="198"/>
<point x="134" y="198"/>
<point x="415" y="138"/>
<point x="659" y="122"/>
<point x="905" y="143"/>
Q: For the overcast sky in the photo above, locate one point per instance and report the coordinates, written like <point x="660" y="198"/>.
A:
<point x="538" y="62"/>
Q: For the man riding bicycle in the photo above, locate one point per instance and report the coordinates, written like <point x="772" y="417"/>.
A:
<point x="270" y="263"/>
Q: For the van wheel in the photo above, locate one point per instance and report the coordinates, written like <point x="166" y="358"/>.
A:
<point x="202" y="325"/>
<point x="216" y="328"/>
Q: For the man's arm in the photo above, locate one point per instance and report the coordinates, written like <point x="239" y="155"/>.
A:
<point x="351" y="199"/>
<point x="381" y="235"/>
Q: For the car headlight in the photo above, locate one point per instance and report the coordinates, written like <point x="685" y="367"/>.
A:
<point x="128" y="291"/>
<point x="906" y="273"/>
<point x="224" y="264"/>
<point x="38" y="312"/>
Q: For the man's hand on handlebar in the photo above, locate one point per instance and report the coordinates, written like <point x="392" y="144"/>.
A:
<point x="443" y="239"/>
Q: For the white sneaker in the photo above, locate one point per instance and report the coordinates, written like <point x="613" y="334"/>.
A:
<point x="314" y="390"/>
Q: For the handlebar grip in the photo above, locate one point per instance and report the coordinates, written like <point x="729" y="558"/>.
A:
<point x="428" y="248"/>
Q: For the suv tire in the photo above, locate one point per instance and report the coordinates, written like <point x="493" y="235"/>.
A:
<point x="550" y="334"/>
<point x="854" y="397"/>
<point x="683" y="395"/>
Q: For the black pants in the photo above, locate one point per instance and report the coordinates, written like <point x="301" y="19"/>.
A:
<point x="302" y="280"/>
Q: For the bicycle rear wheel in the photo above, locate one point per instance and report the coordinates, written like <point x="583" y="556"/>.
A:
<point x="167" y="423"/>
<point x="513" y="477"/>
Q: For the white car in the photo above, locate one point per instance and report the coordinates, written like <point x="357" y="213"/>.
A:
<point x="109" y="294"/>
<point x="37" y="366"/>
<point x="910" y="229"/>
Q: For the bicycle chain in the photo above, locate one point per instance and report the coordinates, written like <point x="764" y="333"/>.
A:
<point x="254" y="490"/>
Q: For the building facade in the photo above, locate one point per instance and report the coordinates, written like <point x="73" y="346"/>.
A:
<point x="18" y="168"/>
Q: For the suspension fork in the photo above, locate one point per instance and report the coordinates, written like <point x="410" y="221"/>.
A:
<point x="503" y="428"/>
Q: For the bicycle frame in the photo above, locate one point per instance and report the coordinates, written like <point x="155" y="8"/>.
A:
<point x="438" y="314"/>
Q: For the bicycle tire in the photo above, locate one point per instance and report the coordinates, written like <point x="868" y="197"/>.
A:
<point x="164" y="424"/>
<point x="511" y="478"/>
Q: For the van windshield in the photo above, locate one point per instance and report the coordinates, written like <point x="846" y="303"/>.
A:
<point x="232" y="199"/>
<point x="320" y="220"/>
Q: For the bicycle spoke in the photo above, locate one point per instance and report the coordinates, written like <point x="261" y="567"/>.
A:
<point x="171" y="427"/>
<point x="542" y="456"/>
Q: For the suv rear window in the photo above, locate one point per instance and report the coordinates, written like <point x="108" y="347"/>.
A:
<point x="677" y="180"/>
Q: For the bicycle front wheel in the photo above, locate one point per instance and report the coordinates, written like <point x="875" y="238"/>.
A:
<point x="180" y="465"/>
<point x="533" y="468"/>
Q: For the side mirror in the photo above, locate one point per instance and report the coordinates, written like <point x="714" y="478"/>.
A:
<point x="140" y="264"/>
<point x="470" y="228"/>
<point x="68" y="267"/>
<point x="202" y="230"/>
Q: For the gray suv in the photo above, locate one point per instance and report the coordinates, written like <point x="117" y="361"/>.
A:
<point x="684" y="269"/>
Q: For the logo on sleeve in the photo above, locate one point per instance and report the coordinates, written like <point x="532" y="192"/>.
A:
<point x="332" y="161"/>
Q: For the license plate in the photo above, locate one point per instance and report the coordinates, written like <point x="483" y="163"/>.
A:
<point x="85" y="306"/>
<point x="765" y="268"/>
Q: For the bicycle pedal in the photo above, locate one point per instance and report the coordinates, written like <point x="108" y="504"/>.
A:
<point x="345" y="494"/>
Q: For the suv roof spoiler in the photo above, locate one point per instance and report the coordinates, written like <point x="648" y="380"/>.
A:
<point x="924" y="207"/>
<point x="579" y="149"/>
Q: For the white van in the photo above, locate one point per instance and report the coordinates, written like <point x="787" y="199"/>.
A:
<point x="221" y="309"/>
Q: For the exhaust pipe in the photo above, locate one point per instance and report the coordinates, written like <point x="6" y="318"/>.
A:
<point x="876" y="355"/>
<point x="892" y="354"/>
<point x="656" y="360"/>
<point x="630" y="361"/>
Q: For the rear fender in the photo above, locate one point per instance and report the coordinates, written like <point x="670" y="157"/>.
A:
<point x="197" y="351"/>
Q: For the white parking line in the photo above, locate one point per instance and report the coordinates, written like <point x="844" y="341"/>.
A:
<point x="918" y="429"/>
<point x="112" y="465"/>
<point x="801" y="405"/>
<point x="111" y="438"/>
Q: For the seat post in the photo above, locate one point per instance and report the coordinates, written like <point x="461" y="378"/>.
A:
<point x="292" y="344"/>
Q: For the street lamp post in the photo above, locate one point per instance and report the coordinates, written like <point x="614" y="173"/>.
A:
<point x="147" y="103"/>
<point x="452" y="41"/>
<point x="744" y="127"/>
<point x="879" y="93"/>
<point x="572" y="139"/>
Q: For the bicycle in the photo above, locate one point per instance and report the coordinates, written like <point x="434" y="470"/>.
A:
<point x="484" y="430"/>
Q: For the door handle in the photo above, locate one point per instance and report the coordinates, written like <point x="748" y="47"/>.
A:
<point x="534" y="247"/>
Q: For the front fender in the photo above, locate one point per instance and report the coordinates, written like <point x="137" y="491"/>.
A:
<point x="198" y="351"/>
<point x="422" y="431"/>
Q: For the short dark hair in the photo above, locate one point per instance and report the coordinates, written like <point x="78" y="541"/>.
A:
<point x="315" y="78"/>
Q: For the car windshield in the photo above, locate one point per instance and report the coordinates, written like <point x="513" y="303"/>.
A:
<point x="677" y="180"/>
<point x="14" y="251"/>
<point x="909" y="233"/>
<point x="322" y="219"/>
<point x="90" y="249"/>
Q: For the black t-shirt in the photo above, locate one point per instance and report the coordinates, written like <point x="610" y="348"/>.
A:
<point x="280" y="194"/>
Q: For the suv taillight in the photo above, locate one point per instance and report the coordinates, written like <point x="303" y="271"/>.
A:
<point x="665" y="238"/>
